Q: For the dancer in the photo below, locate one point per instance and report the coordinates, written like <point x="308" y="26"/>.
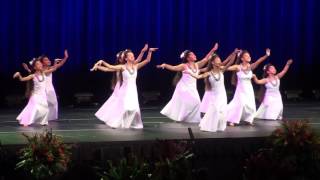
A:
<point x="104" y="113"/>
<point x="185" y="102"/>
<point x="209" y="94"/>
<point x="243" y="106"/>
<point x="215" y="118"/>
<point x="271" y="107"/>
<point x="50" y="91"/>
<point x="124" y="112"/>
<point x="37" y="110"/>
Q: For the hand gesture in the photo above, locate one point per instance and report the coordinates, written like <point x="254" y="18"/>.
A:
<point x="145" y="48"/>
<point x="289" y="62"/>
<point x="215" y="47"/>
<point x="153" y="49"/>
<point x="66" y="54"/>
<point x="162" y="66"/>
<point x="16" y="75"/>
<point x="268" y="52"/>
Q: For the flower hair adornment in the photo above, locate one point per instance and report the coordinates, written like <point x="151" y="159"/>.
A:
<point x="183" y="54"/>
<point x="119" y="54"/>
<point x="32" y="60"/>
<point x="264" y="67"/>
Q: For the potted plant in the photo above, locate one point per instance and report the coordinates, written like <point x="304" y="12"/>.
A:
<point x="45" y="155"/>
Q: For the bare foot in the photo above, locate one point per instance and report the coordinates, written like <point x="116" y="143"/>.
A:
<point x="231" y="124"/>
<point x="250" y="123"/>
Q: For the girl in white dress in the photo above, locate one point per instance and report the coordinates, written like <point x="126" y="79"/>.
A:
<point x="125" y="111"/>
<point x="105" y="113"/>
<point x="208" y="94"/>
<point x="185" y="102"/>
<point x="215" y="118"/>
<point x="243" y="106"/>
<point x="50" y="91"/>
<point x="271" y="107"/>
<point x="37" y="110"/>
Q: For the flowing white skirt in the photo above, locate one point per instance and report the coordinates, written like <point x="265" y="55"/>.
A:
<point x="36" y="111"/>
<point x="184" y="104"/>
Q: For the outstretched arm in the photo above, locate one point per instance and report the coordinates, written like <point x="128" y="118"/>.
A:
<point x="230" y="60"/>
<point x="114" y="67"/>
<point x="26" y="67"/>
<point x="177" y="68"/>
<point x="101" y="66"/>
<point x="260" y="60"/>
<point x="285" y="69"/>
<point x="200" y="76"/>
<point x="231" y="56"/>
<point x="205" y="60"/>
<point x="259" y="81"/>
<point x="18" y="75"/>
<point x="58" y="65"/>
<point x="234" y="67"/>
<point x="202" y="70"/>
<point x="148" y="59"/>
<point x="143" y="50"/>
<point x="104" y="69"/>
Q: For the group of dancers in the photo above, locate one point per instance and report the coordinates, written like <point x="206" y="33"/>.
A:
<point x="213" y="113"/>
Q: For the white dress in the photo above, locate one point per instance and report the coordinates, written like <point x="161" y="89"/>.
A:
<point x="124" y="111"/>
<point x="243" y="105"/>
<point x="52" y="98"/>
<point x="215" y="118"/>
<point x="109" y="109"/>
<point x="37" y="110"/>
<point x="184" y="105"/>
<point x="206" y="99"/>
<point x="271" y="106"/>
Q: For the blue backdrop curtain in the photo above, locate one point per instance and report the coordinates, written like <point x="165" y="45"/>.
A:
<point x="94" y="29"/>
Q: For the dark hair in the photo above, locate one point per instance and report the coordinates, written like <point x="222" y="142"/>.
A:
<point x="115" y="77"/>
<point x="209" y="68"/>
<point x="30" y="84"/>
<point x="184" y="56"/>
<point x="40" y="58"/>
<point x="238" y="60"/>
<point x="265" y="69"/>
<point x="126" y="52"/>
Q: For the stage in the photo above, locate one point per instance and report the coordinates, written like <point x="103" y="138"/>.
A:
<point x="79" y="125"/>
<point x="94" y="142"/>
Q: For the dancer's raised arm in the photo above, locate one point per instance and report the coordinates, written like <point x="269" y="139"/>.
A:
<point x="148" y="59"/>
<point x="205" y="60"/>
<point x="231" y="56"/>
<point x="58" y="65"/>
<point x="261" y="59"/>
<point x="230" y="60"/>
<point x="143" y="50"/>
<point x="285" y="69"/>
<point x="18" y="75"/>
<point x="26" y="67"/>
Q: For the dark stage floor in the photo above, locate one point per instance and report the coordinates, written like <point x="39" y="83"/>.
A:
<point x="80" y="125"/>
